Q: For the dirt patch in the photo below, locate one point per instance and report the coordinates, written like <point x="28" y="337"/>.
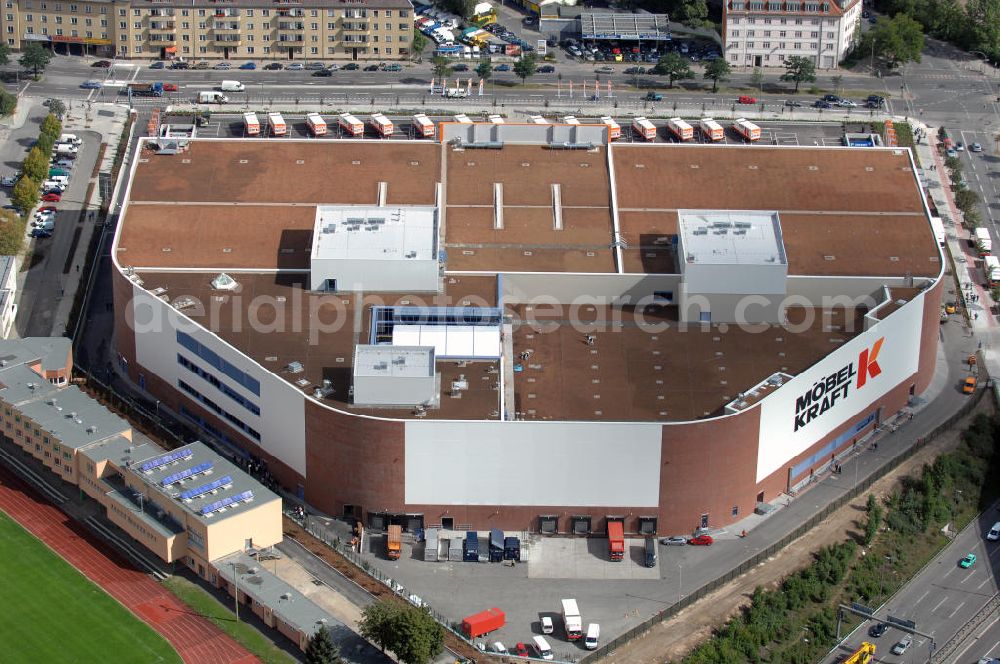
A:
<point x="379" y="590"/>
<point x="672" y="639"/>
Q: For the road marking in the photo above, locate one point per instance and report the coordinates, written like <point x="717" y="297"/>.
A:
<point x="943" y="600"/>
<point x="985" y="581"/>
<point x="952" y="614"/>
<point x="922" y="597"/>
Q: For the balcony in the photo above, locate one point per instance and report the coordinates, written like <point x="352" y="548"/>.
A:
<point x="227" y="39"/>
<point x="354" y="27"/>
<point x="285" y="26"/>
<point x="297" y="13"/>
<point x="223" y="26"/>
<point x="161" y="12"/>
<point x="161" y="39"/>
<point x="290" y="40"/>
<point x="226" y="13"/>
<point x="168" y="27"/>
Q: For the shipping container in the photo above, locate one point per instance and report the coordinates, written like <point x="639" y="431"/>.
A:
<point x="382" y="125"/>
<point x="251" y="124"/>
<point x="316" y="124"/>
<point x="614" y="129"/>
<point x="495" y="119"/>
<point x="456" y="549"/>
<point x="680" y="129"/>
<point x="462" y="118"/>
<point x="539" y="120"/>
<point x="482" y="623"/>
<point x="431" y="545"/>
<point x="747" y="129"/>
<point x="644" y="128"/>
<point x="394" y="542"/>
<point x="570" y="120"/>
<point x="471" y="547"/>
<point x="423" y="127"/>
<point x="512" y="549"/>
<point x="711" y="130"/>
<point x="277" y="124"/>
<point x="350" y="125"/>
<point x="616" y="540"/>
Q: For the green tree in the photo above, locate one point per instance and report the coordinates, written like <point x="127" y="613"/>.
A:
<point x="35" y="164"/>
<point x="440" y="66"/>
<point x="45" y="143"/>
<point x="874" y="519"/>
<point x="953" y="164"/>
<point x="420" y="638"/>
<point x="377" y="623"/>
<point x="11" y="233"/>
<point x="25" y="194"/>
<point x="897" y="40"/>
<point x="419" y="42"/>
<point x="757" y="78"/>
<point x="525" y="67"/>
<point x="692" y="12"/>
<point x="4" y="53"/>
<point x="674" y="66"/>
<point x="57" y="108"/>
<point x="8" y="102"/>
<point x="799" y="69"/>
<point x="484" y="69"/>
<point x="966" y="199"/>
<point x="35" y="57"/>
<point x="321" y="648"/>
<point x="51" y="126"/>
<point x="983" y="26"/>
<point x="717" y="70"/>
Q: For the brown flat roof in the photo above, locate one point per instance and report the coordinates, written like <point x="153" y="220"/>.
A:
<point x="633" y="372"/>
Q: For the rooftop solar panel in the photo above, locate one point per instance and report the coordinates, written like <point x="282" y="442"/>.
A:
<point x="206" y="488"/>
<point x="170" y="457"/>
<point x="186" y="473"/>
<point x="226" y="502"/>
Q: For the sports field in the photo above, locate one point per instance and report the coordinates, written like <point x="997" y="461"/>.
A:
<point x="52" y="613"/>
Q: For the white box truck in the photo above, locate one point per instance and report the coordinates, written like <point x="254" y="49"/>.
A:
<point x="350" y="125"/>
<point x="747" y="129"/>
<point x="232" y="86"/>
<point x="614" y="129"/>
<point x="711" y="129"/>
<point x="423" y="127"/>
<point x="462" y="118"/>
<point x="983" y="241"/>
<point x="495" y="119"/>
<point x="644" y="128"/>
<point x="572" y="620"/>
<point x="316" y="124"/>
<point x="251" y="125"/>
<point x="212" y="97"/>
<point x="538" y="120"/>
<point x="277" y="124"/>
<point x="570" y="120"/>
<point x="382" y="125"/>
<point x="682" y="130"/>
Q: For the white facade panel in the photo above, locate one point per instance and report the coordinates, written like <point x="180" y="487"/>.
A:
<point x="281" y="423"/>
<point x="487" y="341"/>
<point x="843" y="384"/>
<point x="533" y="463"/>
<point x="461" y="342"/>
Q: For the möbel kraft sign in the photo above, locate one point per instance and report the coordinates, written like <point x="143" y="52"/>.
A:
<point x="838" y="388"/>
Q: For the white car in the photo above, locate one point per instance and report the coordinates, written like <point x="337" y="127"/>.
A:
<point x="47" y="225"/>
<point x="902" y="645"/>
<point x="994" y="533"/>
<point x="500" y="649"/>
<point x="847" y="103"/>
<point x="295" y="66"/>
<point x="64" y="163"/>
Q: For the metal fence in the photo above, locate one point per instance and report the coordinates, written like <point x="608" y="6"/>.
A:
<point x="611" y="646"/>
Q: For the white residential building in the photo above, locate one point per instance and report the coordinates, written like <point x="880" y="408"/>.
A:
<point x="763" y="33"/>
<point x="8" y="294"/>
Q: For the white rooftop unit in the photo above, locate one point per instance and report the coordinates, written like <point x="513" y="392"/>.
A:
<point x="375" y="249"/>
<point x="395" y="376"/>
<point x="451" y="341"/>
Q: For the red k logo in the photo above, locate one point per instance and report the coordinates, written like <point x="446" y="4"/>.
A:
<point x="868" y="363"/>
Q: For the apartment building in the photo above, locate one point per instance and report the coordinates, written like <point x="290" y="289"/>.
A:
<point x="214" y="29"/>
<point x="763" y="33"/>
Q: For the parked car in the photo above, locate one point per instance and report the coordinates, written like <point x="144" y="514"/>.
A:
<point x="546" y="69"/>
<point x="960" y="147"/>
<point x="606" y="69"/>
<point x="334" y="67"/>
<point x="833" y="99"/>
<point x="847" y="103"/>
<point x="180" y="64"/>
<point x="201" y="65"/>
<point x="250" y="66"/>
<point x="47" y="208"/>
<point x="460" y="67"/>
<point x="323" y="72"/>
<point x="821" y="103"/>
<point x="8" y="181"/>
<point x="653" y="96"/>
<point x="969" y="385"/>
<point x="676" y="540"/>
<point x="274" y="66"/>
<point x="547" y="626"/>
<point x="872" y="20"/>
<point x="746" y="99"/>
<point x="877" y="100"/>
<point x="351" y="66"/>
<point x="950" y="152"/>
<point x="976" y="147"/>
<point x="877" y="630"/>
<point x="502" y="67"/>
<point x="968" y="561"/>
<point x="701" y="540"/>
<point x="521" y="650"/>
<point x="395" y="66"/>
<point x="371" y="68"/>
<point x="64" y="162"/>
<point x="91" y="85"/>
<point x="315" y="66"/>
<point x="223" y="66"/>
<point x="51" y="198"/>
<point x="41" y="232"/>
<point x="159" y="64"/>
<point x="500" y="649"/>
<point x="295" y="66"/>
<point x="103" y="64"/>
<point x="791" y="103"/>
<point x="902" y="645"/>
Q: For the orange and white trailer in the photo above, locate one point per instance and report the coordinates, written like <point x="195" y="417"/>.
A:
<point x="277" y="124"/>
<point x="382" y="125"/>
<point x="350" y="125"/>
<point x="614" y="129"/>
<point x="495" y="119"/>
<point x="570" y="120"/>
<point x="423" y="127"/>
<point x="251" y="125"/>
<point x="462" y="118"/>
<point x="539" y="120"/>
<point x="682" y="130"/>
<point x="644" y="128"/>
<point x="316" y="124"/>
<point x="711" y="129"/>
<point x="747" y="129"/>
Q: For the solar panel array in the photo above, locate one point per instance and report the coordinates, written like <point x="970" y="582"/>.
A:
<point x="184" y="474"/>
<point x="226" y="502"/>
<point x="191" y="494"/>
<point x="170" y="457"/>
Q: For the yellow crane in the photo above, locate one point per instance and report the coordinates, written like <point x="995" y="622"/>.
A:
<point x="863" y="655"/>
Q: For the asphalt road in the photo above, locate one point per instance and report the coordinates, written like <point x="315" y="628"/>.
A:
<point x="940" y="599"/>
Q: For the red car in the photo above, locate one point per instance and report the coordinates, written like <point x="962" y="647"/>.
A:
<point x="747" y="99"/>
<point x="701" y="540"/>
<point x="47" y="208"/>
<point x="521" y="650"/>
<point x="170" y="87"/>
<point x="51" y="198"/>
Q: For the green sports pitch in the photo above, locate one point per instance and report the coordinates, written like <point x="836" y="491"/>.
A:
<point x="51" y="613"/>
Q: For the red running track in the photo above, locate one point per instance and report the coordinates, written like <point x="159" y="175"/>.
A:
<point x="196" y="639"/>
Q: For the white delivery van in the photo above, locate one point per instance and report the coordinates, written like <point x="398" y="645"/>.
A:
<point x="232" y="86"/>
<point x="70" y="138"/>
<point x="542" y="646"/>
<point x="60" y="179"/>
<point x="500" y="649"/>
<point x="593" y="634"/>
<point x="547" y="627"/>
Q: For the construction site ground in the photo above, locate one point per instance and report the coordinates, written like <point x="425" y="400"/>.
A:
<point x="672" y="639"/>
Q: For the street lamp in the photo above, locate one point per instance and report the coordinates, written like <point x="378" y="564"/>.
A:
<point x="236" y="582"/>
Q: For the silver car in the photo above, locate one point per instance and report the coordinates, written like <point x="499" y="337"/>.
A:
<point x="676" y="540"/>
<point x="902" y="645"/>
